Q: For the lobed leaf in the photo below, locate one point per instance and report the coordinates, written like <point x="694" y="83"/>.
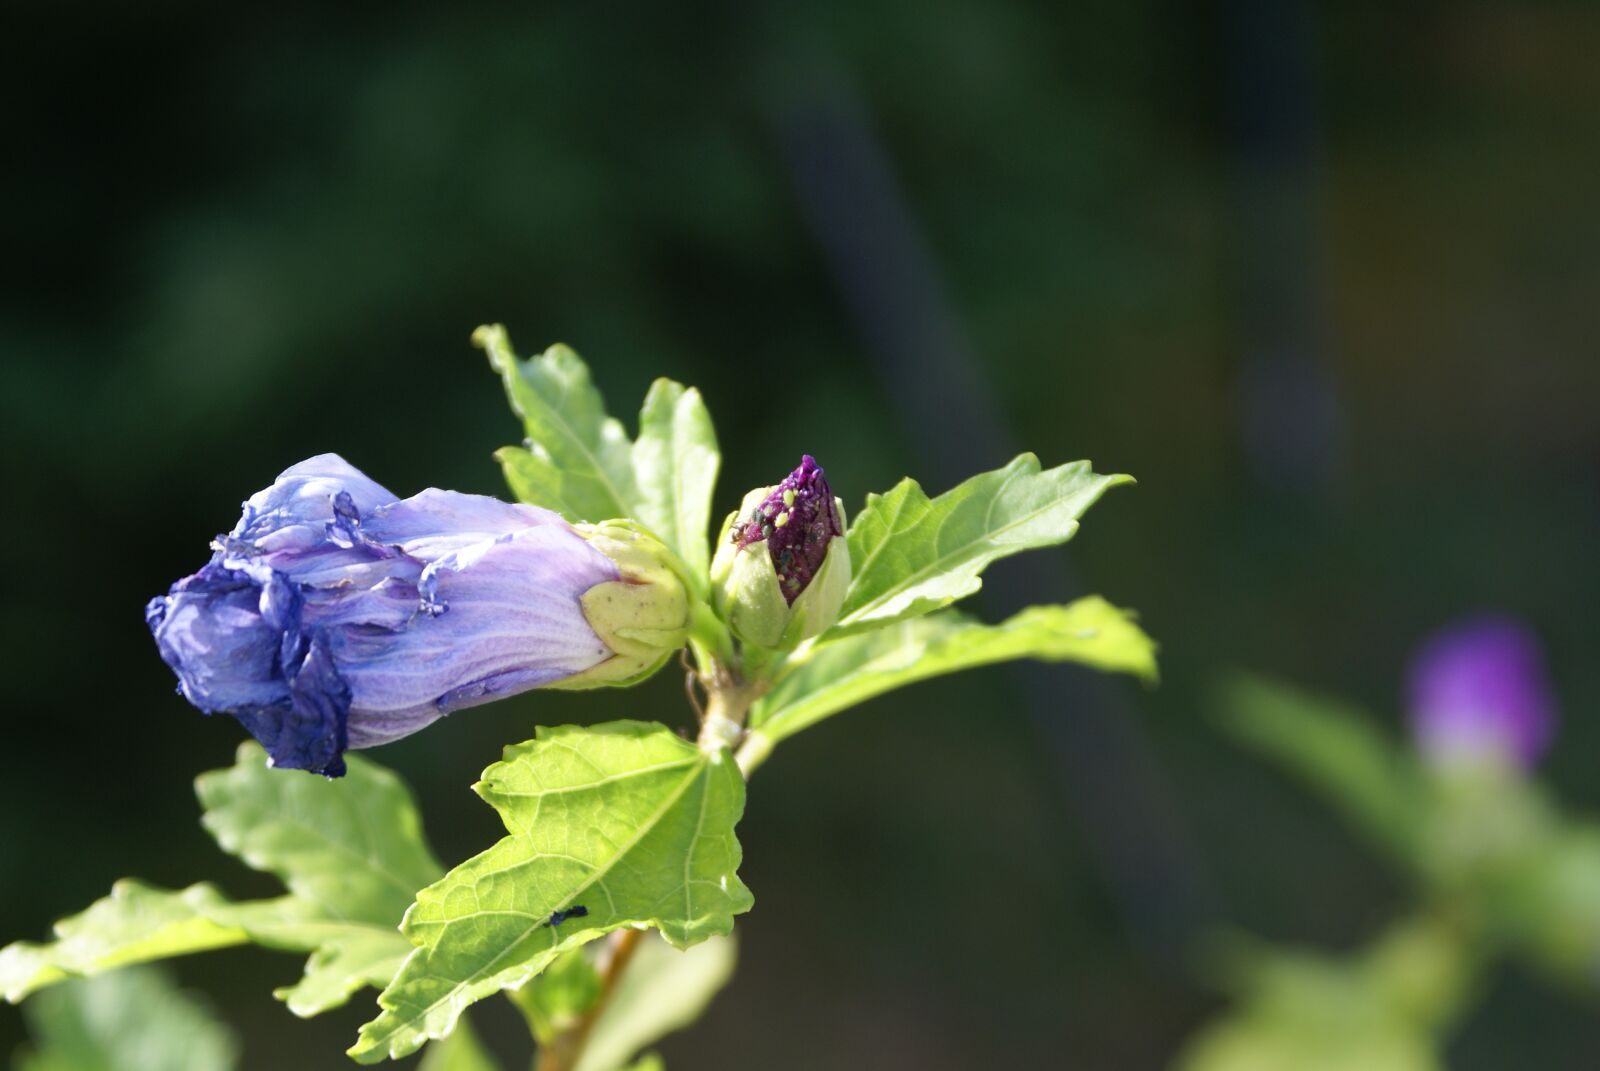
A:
<point x="133" y="1019"/>
<point x="912" y="554"/>
<point x="352" y="847"/>
<point x="840" y="673"/>
<point x="577" y="460"/>
<point x="351" y="852"/>
<point x="675" y="464"/>
<point x="622" y="824"/>
<point x="136" y="923"/>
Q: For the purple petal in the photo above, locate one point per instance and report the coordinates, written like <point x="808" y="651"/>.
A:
<point x="508" y="620"/>
<point x="334" y="616"/>
<point x="1480" y="687"/>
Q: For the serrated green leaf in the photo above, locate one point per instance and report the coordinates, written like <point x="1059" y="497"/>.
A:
<point x="675" y="462"/>
<point x="350" y="850"/>
<point x="132" y="1020"/>
<point x="577" y="460"/>
<point x="912" y="555"/>
<point x="136" y="923"/>
<point x="1339" y="751"/>
<point x="840" y="673"/>
<point x="351" y="846"/>
<point x="624" y="821"/>
<point x="341" y="963"/>
<point x="663" y="990"/>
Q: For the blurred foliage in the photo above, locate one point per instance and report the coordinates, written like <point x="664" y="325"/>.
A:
<point x="129" y="1020"/>
<point x="237" y="237"/>
<point x="1498" y="874"/>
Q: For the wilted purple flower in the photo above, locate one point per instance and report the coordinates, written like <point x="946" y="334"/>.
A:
<point x="797" y="519"/>
<point x="336" y="615"/>
<point x="1479" y="687"/>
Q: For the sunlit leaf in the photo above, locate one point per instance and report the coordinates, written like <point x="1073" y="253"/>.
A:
<point x="622" y="824"/>
<point x="350" y="850"/>
<point x="841" y="673"/>
<point x="577" y="460"/>
<point x="134" y="924"/>
<point x="912" y="555"/>
<point x="352" y="846"/>
<point x="675" y="462"/>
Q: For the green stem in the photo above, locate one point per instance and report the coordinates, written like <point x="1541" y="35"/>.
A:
<point x="753" y="752"/>
<point x="709" y="639"/>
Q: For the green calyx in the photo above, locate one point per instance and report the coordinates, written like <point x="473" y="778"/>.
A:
<point x="745" y="587"/>
<point x="643" y="616"/>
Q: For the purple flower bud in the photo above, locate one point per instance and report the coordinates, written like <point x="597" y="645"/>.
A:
<point x="797" y="519"/>
<point x="337" y="616"/>
<point x="1478" y="688"/>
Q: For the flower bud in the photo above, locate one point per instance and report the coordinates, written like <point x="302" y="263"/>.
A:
<point x="782" y="565"/>
<point x="336" y="615"/>
<point x="1478" y="690"/>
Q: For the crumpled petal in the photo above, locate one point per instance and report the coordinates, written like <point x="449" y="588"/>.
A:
<point x="335" y="615"/>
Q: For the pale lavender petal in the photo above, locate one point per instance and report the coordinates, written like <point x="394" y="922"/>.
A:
<point x="334" y="615"/>
<point x="506" y="620"/>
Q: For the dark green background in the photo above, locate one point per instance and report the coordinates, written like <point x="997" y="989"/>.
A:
<point x="1324" y="278"/>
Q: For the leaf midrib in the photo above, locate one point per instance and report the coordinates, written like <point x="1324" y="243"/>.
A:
<point x="390" y="877"/>
<point x="561" y="424"/>
<point x="699" y="764"/>
<point x="855" y="616"/>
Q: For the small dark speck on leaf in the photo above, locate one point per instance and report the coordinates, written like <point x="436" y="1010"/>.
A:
<point x="576" y="911"/>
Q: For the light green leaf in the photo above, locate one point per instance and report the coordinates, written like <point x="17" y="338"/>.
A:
<point x="136" y="923"/>
<point x="350" y="850"/>
<point x="840" y="673"/>
<point x="343" y="961"/>
<point x="555" y="1000"/>
<point x="1338" y="750"/>
<point x="912" y="555"/>
<point x="351" y="846"/>
<point x="461" y="1051"/>
<point x="675" y="463"/>
<point x="577" y="460"/>
<point x="132" y="1020"/>
<point x="662" y="990"/>
<point x="624" y="821"/>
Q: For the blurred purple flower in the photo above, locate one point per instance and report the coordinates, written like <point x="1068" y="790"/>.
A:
<point x="336" y="615"/>
<point x="1479" y="687"/>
